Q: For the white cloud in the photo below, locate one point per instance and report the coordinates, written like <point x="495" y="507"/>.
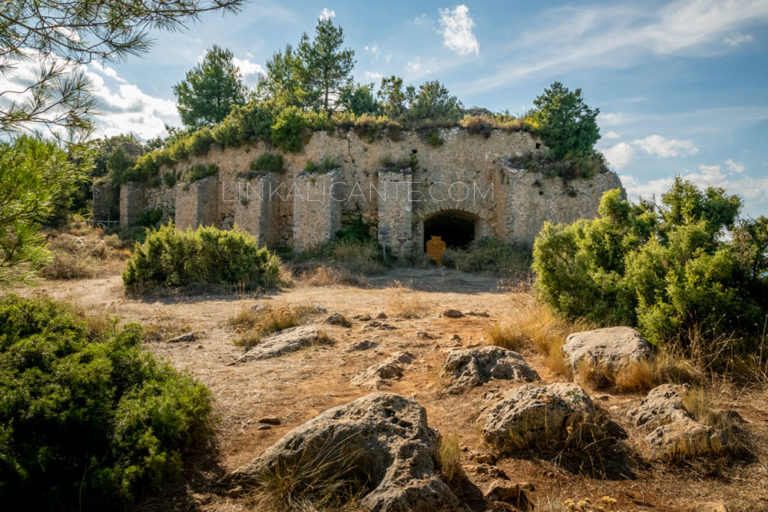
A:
<point x="247" y="67"/>
<point x="373" y="75"/>
<point x="734" y="166"/>
<point x="414" y="65"/>
<point x="457" y="30"/>
<point x="327" y="14"/>
<point x="619" y="35"/>
<point x="610" y="135"/>
<point x="610" y="118"/>
<point x="737" y="39"/>
<point x="374" y="48"/>
<point x="666" y="148"/>
<point x="619" y="155"/>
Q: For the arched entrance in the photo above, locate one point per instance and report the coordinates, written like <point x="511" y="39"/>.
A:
<point x="455" y="227"/>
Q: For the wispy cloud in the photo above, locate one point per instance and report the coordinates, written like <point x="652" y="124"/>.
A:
<point x="327" y="14"/>
<point x="456" y="28"/>
<point x="618" y="36"/>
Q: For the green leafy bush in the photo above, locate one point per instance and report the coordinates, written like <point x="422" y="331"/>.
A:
<point x="88" y="421"/>
<point x="169" y="257"/>
<point x="290" y="129"/>
<point x="326" y="165"/>
<point x="268" y="162"/>
<point x="668" y="269"/>
<point x="490" y="254"/>
<point x="249" y="122"/>
<point x="434" y="139"/>
<point x="200" y="171"/>
<point x="148" y="218"/>
<point x="169" y="178"/>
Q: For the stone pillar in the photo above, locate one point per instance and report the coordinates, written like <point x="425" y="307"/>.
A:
<point x="316" y="212"/>
<point x="102" y="201"/>
<point x="197" y="203"/>
<point x="396" y="211"/>
<point x="253" y="209"/>
<point x="131" y="203"/>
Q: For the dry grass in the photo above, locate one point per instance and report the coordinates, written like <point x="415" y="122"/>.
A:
<point x="82" y="252"/>
<point x="324" y="478"/>
<point x="256" y="324"/>
<point x="449" y="459"/>
<point x="97" y="323"/>
<point x="538" y="325"/>
<point x="405" y="303"/>
<point x="164" y="330"/>
<point x="325" y="275"/>
<point x="502" y="334"/>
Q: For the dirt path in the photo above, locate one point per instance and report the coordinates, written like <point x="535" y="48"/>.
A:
<point x="298" y="386"/>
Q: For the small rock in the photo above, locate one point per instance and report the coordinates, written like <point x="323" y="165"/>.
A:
<point x="382" y="316"/>
<point x="361" y="345"/>
<point x="453" y="313"/>
<point x="283" y="342"/>
<point x="258" y="307"/>
<point x="476" y="366"/>
<point x="362" y="318"/>
<point x="608" y="349"/>
<point x="270" y="420"/>
<point x="190" y="336"/>
<point x="488" y="471"/>
<point x="482" y="314"/>
<point x="507" y="493"/>
<point x="424" y="335"/>
<point x="338" y="319"/>
<point x="376" y="376"/>
<point x="317" y="309"/>
<point x="663" y="404"/>
<point x="485" y="458"/>
<point x="264" y="427"/>
<point x="709" y="506"/>
<point x="455" y="337"/>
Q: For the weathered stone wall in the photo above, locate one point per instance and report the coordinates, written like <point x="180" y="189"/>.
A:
<point x="316" y="213"/>
<point x="254" y="208"/>
<point x="103" y="203"/>
<point x="396" y="210"/>
<point x="197" y="203"/>
<point x="467" y="174"/>
<point x="131" y="203"/>
<point x="533" y="199"/>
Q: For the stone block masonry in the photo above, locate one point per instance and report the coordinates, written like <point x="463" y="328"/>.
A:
<point x="396" y="211"/>
<point x="464" y="190"/>
<point x="197" y="203"/>
<point x="316" y="212"/>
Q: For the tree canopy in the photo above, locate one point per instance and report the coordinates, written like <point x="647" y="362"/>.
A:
<point x="565" y="123"/>
<point x="210" y="89"/>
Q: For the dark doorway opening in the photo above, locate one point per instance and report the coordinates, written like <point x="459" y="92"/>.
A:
<point x="457" y="229"/>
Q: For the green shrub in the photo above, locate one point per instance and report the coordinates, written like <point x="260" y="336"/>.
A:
<point x="434" y="139"/>
<point x="148" y="218"/>
<point x="489" y="254"/>
<point x="88" y="421"/>
<point x="200" y="171"/>
<point x="290" y="129"/>
<point x="668" y="269"/>
<point x="326" y="165"/>
<point x="246" y="123"/>
<point x="198" y="142"/>
<point x="169" y="178"/>
<point x="169" y="257"/>
<point x="268" y="162"/>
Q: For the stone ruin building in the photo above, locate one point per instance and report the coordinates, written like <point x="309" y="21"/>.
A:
<point x="463" y="190"/>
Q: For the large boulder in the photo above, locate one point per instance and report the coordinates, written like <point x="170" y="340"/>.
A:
<point x="675" y="433"/>
<point x="538" y="416"/>
<point x="381" y="440"/>
<point x="607" y="350"/>
<point x="475" y="366"/>
<point x="283" y="342"/>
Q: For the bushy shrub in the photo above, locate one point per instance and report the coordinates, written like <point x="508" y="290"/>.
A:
<point x="198" y="142"/>
<point x="249" y="122"/>
<point x="200" y="171"/>
<point x="148" y="218"/>
<point x="290" y="129"/>
<point x="489" y="254"/>
<point x="326" y="165"/>
<point x="87" y="420"/>
<point x="268" y="162"/>
<point x="169" y="257"/>
<point x="434" y="139"/>
<point x="169" y="178"/>
<point x="668" y="269"/>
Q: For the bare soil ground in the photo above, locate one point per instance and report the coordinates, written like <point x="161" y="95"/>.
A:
<point x="298" y="386"/>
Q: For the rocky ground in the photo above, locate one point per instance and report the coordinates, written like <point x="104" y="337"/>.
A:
<point x="399" y="337"/>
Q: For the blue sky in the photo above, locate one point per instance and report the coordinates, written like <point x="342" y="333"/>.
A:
<point x="682" y="86"/>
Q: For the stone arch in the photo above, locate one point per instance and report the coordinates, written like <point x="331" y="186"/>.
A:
<point x="458" y="228"/>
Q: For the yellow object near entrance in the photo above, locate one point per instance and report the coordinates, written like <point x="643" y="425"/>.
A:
<point x="435" y="249"/>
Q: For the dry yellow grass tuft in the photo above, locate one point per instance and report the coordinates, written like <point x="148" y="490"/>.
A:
<point x="536" y="323"/>
<point x="449" y="458"/>
<point x="503" y="335"/>
<point x="83" y="252"/>
<point x="326" y="276"/>
<point x="258" y="323"/>
<point x="405" y="303"/>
